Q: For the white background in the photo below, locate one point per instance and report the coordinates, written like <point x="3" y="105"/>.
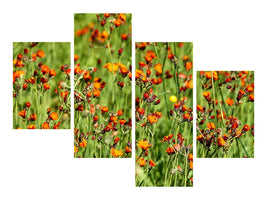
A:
<point x="39" y="164"/>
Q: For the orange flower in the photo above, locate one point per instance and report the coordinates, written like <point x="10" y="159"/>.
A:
<point x="206" y="94"/>
<point x="122" y="121"/>
<point x="116" y="153"/>
<point x="52" y="73"/>
<point x="186" y="116"/>
<point x="119" y="112"/>
<point x="229" y="101"/>
<point x="211" y="126"/>
<point x="143" y="144"/>
<point x="167" y="138"/>
<point x="116" y="140"/>
<point x="96" y="93"/>
<point x="64" y="94"/>
<point x="22" y="113"/>
<point x="77" y="70"/>
<point x="24" y="86"/>
<point x="113" y="119"/>
<point x="45" y="125"/>
<point x="27" y="104"/>
<point x="122" y="17"/>
<point x="152" y="119"/>
<point x="54" y="116"/>
<point x="45" y="69"/>
<point x="200" y="108"/>
<point x="170" y="150"/>
<point x="150" y="55"/>
<point x="249" y="88"/>
<point x="143" y="45"/>
<point x="56" y="126"/>
<point x="76" y="57"/>
<point x="106" y="15"/>
<point x="104" y="109"/>
<point x="220" y="141"/>
<point x="152" y="163"/>
<point x="33" y="117"/>
<point x="46" y="86"/>
<point x="190" y="157"/>
<point x="251" y="97"/>
<point x="245" y="128"/>
<point x="40" y="53"/>
<point x="124" y="36"/>
<point x="87" y="76"/>
<point x="31" y="126"/>
<point x="83" y="143"/>
<point x="200" y="138"/>
<point x="191" y="165"/>
<point x="142" y="162"/>
<point x="128" y="149"/>
<point x="80" y="107"/>
<point x="17" y="74"/>
<point x="225" y="137"/>
<point x="117" y="22"/>
<point x="189" y="84"/>
<point x="214" y="73"/>
<point x="113" y="67"/>
<point x="158" y="68"/>
<point x="104" y="35"/>
<point x="188" y="65"/>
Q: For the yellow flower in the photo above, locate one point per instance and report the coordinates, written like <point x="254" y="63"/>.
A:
<point x="173" y="98"/>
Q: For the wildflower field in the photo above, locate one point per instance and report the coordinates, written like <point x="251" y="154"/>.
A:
<point x="41" y="85"/>
<point x="102" y="85"/>
<point x="225" y="114"/>
<point x="164" y="115"/>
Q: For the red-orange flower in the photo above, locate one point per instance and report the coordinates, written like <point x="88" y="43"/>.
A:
<point x="210" y="126"/>
<point x="40" y="53"/>
<point x="251" y="97"/>
<point x="200" y="108"/>
<point x="190" y="157"/>
<point x="46" y="86"/>
<point x="152" y="163"/>
<point x="52" y="73"/>
<point x="229" y="101"/>
<point x="45" y="125"/>
<point x="143" y="144"/>
<point x="116" y="153"/>
<point x="142" y="162"/>
<point x="150" y="55"/>
<point x="83" y="143"/>
<point x="220" y="141"/>
<point x="206" y="94"/>
<point x="104" y="109"/>
<point x="169" y="150"/>
<point x="33" y="117"/>
<point x="22" y="113"/>
<point x="45" y="69"/>
<point x="27" y="104"/>
<point x="167" y="138"/>
<point x="54" y="116"/>
<point x="245" y="128"/>
<point x="31" y="126"/>
<point x="128" y="149"/>
<point x="117" y="22"/>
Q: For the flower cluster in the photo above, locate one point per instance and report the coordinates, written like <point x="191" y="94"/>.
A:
<point x="37" y="87"/>
<point x="223" y="117"/>
<point x="163" y="79"/>
<point x="102" y="85"/>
